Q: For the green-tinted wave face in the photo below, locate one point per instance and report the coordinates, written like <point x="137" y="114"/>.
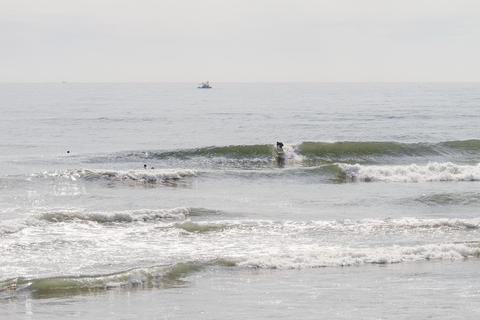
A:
<point x="314" y="152"/>
<point x="339" y="176"/>
<point x="152" y="277"/>
<point x="337" y="150"/>
<point x="198" y="212"/>
<point x="240" y="151"/>
<point x="97" y="217"/>
<point x="70" y="286"/>
<point x="197" y="227"/>
<point x="472" y="144"/>
<point x="182" y="269"/>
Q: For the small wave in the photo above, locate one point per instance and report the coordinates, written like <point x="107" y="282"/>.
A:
<point x="316" y="256"/>
<point x="415" y="223"/>
<point x="366" y="226"/>
<point x="196" y="212"/>
<point x="152" y="176"/>
<point x="190" y="226"/>
<point x="335" y="227"/>
<point x="466" y="198"/>
<point x="11" y="226"/>
<point x="117" y="216"/>
<point x="152" y="277"/>
<point x="105" y="217"/>
<point x="325" y="227"/>
<point x="433" y="171"/>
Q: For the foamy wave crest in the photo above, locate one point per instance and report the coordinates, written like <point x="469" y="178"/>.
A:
<point x="153" y="277"/>
<point x="315" y="256"/>
<point x="433" y="171"/>
<point x="350" y="227"/>
<point x="376" y="225"/>
<point x="410" y="223"/>
<point x="116" y="216"/>
<point x="144" y="176"/>
<point x="11" y="226"/>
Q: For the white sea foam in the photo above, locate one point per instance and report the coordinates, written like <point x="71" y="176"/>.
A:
<point x="291" y="152"/>
<point x="349" y="226"/>
<point x="11" y="226"/>
<point x="168" y="236"/>
<point x="147" y="176"/>
<point x="433" y="171"/>
<point x="314" y="256"/>
<point x="324" y="227"/>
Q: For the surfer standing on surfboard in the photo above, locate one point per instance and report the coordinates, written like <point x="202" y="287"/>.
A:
<point x="279" y="154"/>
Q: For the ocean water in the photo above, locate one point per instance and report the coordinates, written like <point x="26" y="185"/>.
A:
<point x="373" y="214"/>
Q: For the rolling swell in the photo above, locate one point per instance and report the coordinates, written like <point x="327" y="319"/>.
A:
<point x="315" y="150"/>
<point x="338" y="150"/>
<point x="470" y="145"/>
<point x="232" y="151"/>
<point x="440" y="199"/>
<point x="369" y="150"/>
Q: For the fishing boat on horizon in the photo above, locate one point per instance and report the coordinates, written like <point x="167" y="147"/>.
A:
<point x="204" y="85"/>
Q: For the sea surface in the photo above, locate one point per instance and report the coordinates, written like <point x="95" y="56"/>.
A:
<point x="373" y="214"/>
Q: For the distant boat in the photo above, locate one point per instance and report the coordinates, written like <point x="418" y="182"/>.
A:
<point x="204" y="85"/>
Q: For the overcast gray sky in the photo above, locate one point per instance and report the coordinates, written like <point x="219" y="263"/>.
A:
<point x="239" y="40"/>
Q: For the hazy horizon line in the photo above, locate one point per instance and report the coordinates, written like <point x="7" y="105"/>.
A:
<point x="235" y="82"/>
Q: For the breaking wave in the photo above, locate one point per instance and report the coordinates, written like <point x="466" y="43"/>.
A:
<point x="315" y="257"/>
<point x="308" y="150"/>
<point x="433" y="171"/>
<point x="152" y="176"/>
<point x="116" y="216"/>
<point x="349" y="226"/>
<point x="177" y="218"/>
<point x="152" y="277"/>
<point x="297" y="257"/>
<point x="265" y="244"/>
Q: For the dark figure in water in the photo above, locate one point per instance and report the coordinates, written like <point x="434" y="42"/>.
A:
<point x="68" y="151"/>
<point x="280" y="155"/>
<point x="144" y="166"/>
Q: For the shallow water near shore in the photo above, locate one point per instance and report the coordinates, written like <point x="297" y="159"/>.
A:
<point x="372" y="214"/>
